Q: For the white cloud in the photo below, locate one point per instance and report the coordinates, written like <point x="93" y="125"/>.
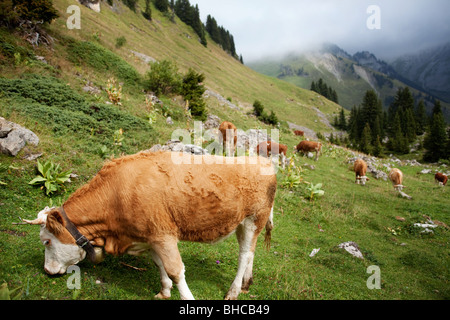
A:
<point x="264" y="27"/>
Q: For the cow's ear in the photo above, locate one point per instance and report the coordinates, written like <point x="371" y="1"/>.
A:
<point x="55" y="222"/>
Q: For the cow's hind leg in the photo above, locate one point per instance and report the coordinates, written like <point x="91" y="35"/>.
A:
<point x="173" y="266"/>
<point x="247" y="237"/>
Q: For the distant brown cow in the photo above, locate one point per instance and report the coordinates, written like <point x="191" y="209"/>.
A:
<point x="299" y="133"/>
<point x="360" y="168"/>
<point x="396" y="176"/>
<point x="441" y="178"/>
<point x="309" y="146"/>
<point x="267" y="148"/>
<point x="228" y="137"/>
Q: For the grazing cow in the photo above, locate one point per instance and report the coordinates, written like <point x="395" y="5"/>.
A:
<point x="309" y="146"/>
<point x="440" y="178"/>
<point x="299" y="133"/>
<point x="360" y="168"/>
<point x="228" y="137"/>
<point x="145" y="202"/>
<point x="267" y="148"/>
<point x="396" y="176"/>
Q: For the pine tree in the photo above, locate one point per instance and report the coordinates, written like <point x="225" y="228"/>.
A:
<point x="377" y="147"/>
<point x="342" y="124"/>
<point x="436" y="139"/>
<point x="162" y="5"/>
<point x="148" y="11"/>
<point x="421" y="118"/>
<point x="313" y="87"/>
<point x="352" y="126"/>
<point x="366" y="140"/>
<point x="410" y="130"/>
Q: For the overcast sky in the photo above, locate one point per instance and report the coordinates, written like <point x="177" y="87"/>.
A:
<point x="272" y="27"/>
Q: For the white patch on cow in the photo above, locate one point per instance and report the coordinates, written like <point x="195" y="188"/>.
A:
<point x="183" y="288"/>
<point x="363" y="180"/>
<point x="59" y="256"/>
<point x="245" y="233"/>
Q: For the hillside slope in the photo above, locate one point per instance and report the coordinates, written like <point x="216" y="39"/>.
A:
<point x="162" y="39"/>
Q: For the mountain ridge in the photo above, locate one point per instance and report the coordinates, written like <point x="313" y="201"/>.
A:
<point x="350" y="75"/>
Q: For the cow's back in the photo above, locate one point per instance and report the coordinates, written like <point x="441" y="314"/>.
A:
<point x="197" y="202"/>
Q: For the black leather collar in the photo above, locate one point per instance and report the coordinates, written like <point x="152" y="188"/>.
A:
<point x="80" y="239"/>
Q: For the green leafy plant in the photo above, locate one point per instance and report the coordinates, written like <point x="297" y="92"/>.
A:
<point x="315" y="191"/>
<point x="293" y="177"/>
<point x="50" y="177"/>
<point x="151" y="114"/>
<point x="118" y="137"/>
<point x="6" y="294"/>
<point x="114" y="92"/>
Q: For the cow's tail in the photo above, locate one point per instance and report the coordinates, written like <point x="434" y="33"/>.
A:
<point x="269" y="227"/>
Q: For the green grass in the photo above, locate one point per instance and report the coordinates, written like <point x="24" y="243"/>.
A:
<point x="73" y="125"/>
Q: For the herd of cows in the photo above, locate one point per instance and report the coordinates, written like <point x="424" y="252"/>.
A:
<point x="268" y="148"/>
<point x="143" y="203"/>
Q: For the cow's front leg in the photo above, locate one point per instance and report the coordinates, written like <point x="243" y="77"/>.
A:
<point x="247" y="237"/>
<point x="166" y="283"/>
<point x="169" y="256"/>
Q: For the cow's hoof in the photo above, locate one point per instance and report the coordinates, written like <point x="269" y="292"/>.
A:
<point x="160" y="296"/>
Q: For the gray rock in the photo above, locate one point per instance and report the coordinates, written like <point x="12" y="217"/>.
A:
<point x="352" y="248"/>
<point x="212" y="122"/>
<point x="14" y="137"/>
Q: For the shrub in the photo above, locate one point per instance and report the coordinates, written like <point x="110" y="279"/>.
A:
<point x="12" y="11"/>
<point x="192" y="87"/>
<point x="120" y="42"/>
<point x="130" y="4"/>
<point x="258" y="108"/>
<point x="198" y="109"/>
<point x="163" y="78"/>
<point x="100" y="58"/>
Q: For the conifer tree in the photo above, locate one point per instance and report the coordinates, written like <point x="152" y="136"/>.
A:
<point x="436" y="138"/>
<point x="162" y="5"/>
<point x="421" y="118"/>
<point x="377" y="147"/>
<point x="366" y="140"/>
<point x="148" y="11"/>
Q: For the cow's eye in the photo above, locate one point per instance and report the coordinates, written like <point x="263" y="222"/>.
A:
<point x="46" y="242"/>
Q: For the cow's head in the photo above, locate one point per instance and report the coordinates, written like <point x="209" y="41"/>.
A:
<point x="61" y="250"/>
<point x="362" y="180"/>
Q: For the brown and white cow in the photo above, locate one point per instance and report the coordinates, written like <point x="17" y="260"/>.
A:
<point x="396" y="176"/>
<point x="440" y="178"/>
<point x="360" y="168"/>
<point x="144" y="203"/>
<point x="228" y="137"/>
<point x="299" y="133"/>
<point x="267" y="148"/>
<point x="309" y="146"/>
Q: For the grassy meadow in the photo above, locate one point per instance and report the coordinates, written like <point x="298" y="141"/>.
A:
<point x="78" y="131"/>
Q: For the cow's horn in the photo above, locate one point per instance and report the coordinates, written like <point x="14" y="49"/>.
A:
<point x="34" y="222"/>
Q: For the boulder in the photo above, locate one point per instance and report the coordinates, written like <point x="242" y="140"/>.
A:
<point x="352" y="248"/>
<point x="14" y="137"/>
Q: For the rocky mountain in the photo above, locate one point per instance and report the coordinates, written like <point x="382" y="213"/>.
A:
<point x="350" y="75"/>
<point x="430" y="69"/>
